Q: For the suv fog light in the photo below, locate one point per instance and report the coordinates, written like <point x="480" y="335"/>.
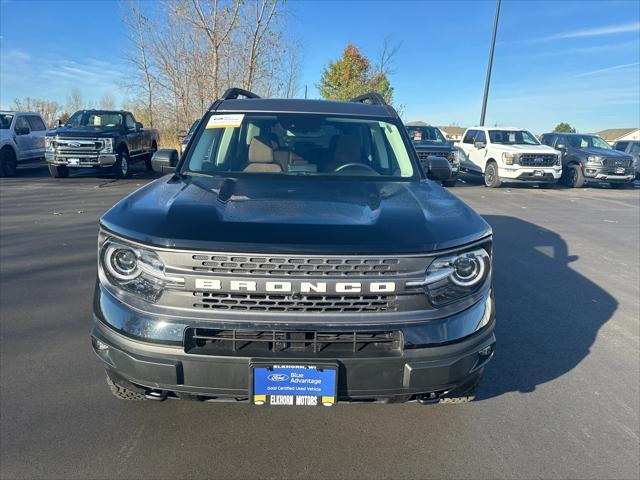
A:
<point x="101" y="346"/>
<point x="486" y="351"/>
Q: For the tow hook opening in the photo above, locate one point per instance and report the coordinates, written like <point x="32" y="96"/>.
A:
<point x="157" y="395"/>
<point x="429" y="398"/>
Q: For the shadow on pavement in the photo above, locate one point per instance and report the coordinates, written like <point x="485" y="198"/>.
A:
<point x="38" y="169"/>
<point x="548" y="314"/>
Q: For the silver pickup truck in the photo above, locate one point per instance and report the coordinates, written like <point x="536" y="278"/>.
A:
<point x="21" y="138"/>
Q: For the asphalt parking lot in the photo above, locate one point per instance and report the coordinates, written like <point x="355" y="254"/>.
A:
<point x="561" y="398"/>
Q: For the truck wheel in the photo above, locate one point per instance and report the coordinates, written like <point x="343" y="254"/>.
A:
<point x="121" y="167"/>
<point x="575" y="177"/>
<point x="8" y="163"/>
<point x="58" y="171"/>
<point x="491" y="178"/>
<point x="147" y="160"/>
<point x="123" y="393"/>
<point x="449" y="183"/>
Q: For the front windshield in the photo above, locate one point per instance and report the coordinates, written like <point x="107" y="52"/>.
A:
<point x="5" y="121"/>
<point x="513" y="137"/>
<point x="94" y="119"/>
<point x="588" y="141"/>
<point x="462" y="155"/>
<point x="299" y="144"/>
<point x="422" y="134"/>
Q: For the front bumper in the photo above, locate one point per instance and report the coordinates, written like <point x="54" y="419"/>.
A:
<point x="528" y="174"/>
<point x="83" y="160"/>
<point x="457" y="358"/>
<point x="605" y="174"/>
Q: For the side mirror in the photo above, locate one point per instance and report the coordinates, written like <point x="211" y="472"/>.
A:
<point x="138" y="126"/>
<point x="22" y="131"/>
<point x="165" y="160"/>
<point x="439" y="168"/>
<point x="182" y="133"/>
<point x="479" y="144"/>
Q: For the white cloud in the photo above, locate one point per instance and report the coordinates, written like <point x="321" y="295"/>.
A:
<point x="590" y="32"/>
<point x="608" y="69"/>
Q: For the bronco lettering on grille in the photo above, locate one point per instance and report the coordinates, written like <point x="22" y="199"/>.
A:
<point x="218" y="284"/>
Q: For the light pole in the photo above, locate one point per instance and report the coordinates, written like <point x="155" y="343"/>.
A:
<point x="488" y="80"/>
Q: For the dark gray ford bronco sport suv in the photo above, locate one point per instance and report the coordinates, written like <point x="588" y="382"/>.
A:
<point x="296" y="255"/>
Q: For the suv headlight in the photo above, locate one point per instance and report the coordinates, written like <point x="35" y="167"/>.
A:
<point x="452" y="277"/>
<point x="108" y="145"/>
<point x="594" y="159"/>
<point x="509" y="158"/>
<point x="454" y="156"/>
<point x="49" y="144"/>
<point x="559" y="160"/>
<point x="135" y="269"/>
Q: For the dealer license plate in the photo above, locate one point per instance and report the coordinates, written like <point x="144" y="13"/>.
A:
<point x="620" y="170"/>
<point x="538" y="173"/>
<point x="290" y="384"/>
<point x="73" y="162"/>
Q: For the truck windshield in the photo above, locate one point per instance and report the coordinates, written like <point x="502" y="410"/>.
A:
<point x="422" y="134"/>
<point x="299" y="144"/>
<point x="588" y="141"/>
<point x="513" y="137"/>
<point x="5" y="121"/>
<point x="94" y="119"/>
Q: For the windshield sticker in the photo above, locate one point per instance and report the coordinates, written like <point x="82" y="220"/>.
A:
<point x="225" y="121"/>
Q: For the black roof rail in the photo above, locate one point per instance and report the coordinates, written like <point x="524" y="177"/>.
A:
<point x="373" y="97"/>
<point x="233" y="93"/>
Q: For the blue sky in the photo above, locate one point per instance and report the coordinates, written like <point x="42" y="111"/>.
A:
<point x="555" y="61"/>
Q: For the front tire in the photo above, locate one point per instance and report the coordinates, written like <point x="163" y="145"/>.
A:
<point x="8" y="163"/>
<point x="121" y="169"/>
<point x="575" y="177"/>
<point x="491" y="177"/>
<point x="58" y="171"/>
<point x="123" y="393"/>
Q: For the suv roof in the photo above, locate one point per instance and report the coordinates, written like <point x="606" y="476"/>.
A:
<point x="495" y="128"/>
<point x="13" y="112"/>
<point x="252" y="103"/>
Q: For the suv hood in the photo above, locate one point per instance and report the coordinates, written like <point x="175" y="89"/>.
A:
<point x="433" y="147"/>
<point x="605" y="152"/>
<point x="255" y="214"/>
<point x="524" y="148"/>
<point x="85" y="132"/>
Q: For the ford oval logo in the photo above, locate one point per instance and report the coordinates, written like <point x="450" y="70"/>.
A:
<point x="74" y="144"/>
<point x="278" y="377"/>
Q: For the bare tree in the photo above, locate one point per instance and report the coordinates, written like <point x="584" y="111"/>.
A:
<point x="107" y="102"/>
<point x="47" y="109"/>
<point x="75" y="101"/>
<point x="138" y="27"/>
<point x="386" y="57"/>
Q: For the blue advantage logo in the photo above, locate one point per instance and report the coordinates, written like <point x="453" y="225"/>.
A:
<point x="278" y="377"/>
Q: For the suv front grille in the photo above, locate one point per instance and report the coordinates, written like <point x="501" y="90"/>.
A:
<point x="209" y="341"/>
<point x="295" y="266"/>
<point x="296" y="303"/>
<point x="424" y="154"/>
<point x="533" y="160"/>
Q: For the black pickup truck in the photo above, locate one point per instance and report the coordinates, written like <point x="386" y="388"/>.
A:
<point x="429" y="141"/>
<point x="102" y="139"/>
<point x="297" y="254"/>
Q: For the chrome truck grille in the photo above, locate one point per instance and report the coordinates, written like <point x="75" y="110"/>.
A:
<point x="78" y="147"/>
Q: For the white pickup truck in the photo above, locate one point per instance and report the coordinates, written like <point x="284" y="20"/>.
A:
<point x="509" y="155"/>
<point x="21" y="138"/>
